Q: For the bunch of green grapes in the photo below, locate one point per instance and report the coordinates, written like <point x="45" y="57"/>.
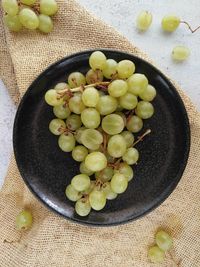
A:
<point x="96" y="117"/>
<point x="29" y="14"/>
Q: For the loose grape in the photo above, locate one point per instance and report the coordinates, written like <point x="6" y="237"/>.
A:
<point x="94" y="76"/>
<point x="10" y="7"/>
<point x="131" y="156"/>
<point x="144" y="110"/>
<point x="163" y="240"/>
<point x="117" y="88"/>
<point x="106" y="105"/>
<point x="28" y="2"/>
<point x="128" y="137"/>
<point x="180" y="53"/>
<point x="81" y="182"/>
<point x="156" y="255"/>
<point x="61" y="111"/>
<point x="148" y="94"/>
<point x="85" y="170"/>
<point x="170" y="23"/>
<point x="97" y="60"/>
<point x="97" y="199"/>
<point x="79" y="153"/>
<point x="128" y="101"/>
<point x="126" y="170"/>
<point x="105" y="175"/>
<point x="13" y="23"/>
<point x="125" y="68"/>
<point x="45" y="23"/>
<point x="48" y="7"/>
<point x="76" y="104"/>
<point x="106" y="188"/>
<point x="137" y="83"/>
<point x="90" y="97"/>
<point x="119" y="183"/>
<point x="96" y="161"/>
<point x="91" y="138"/>
<point x="72" y="194"/>
<point x="116" y="146"/>
<point x="110" y="69"/>
<point x="90" y="117"/>
<point x="66" y="142"/>
<point x="113" y="124"/>
<point x="61" y="86"/>
<point x="24" y="220"/>
<point x="134" y="124"/>
<point x="78" y="134"/>
<point x="57" y="126"/>
<point x="76" y="79"/>
<point x="73" y="122"/>
<point x="82" y="207"/>
<point x="28" y="19"/>
<point x="52" y="98"/>
<point x="144" y="20"/>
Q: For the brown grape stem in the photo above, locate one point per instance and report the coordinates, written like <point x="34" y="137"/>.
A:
<point x="140" y="138"/>
<point x="83" y="87"/>
<point x="174" y="260"/>
<point x="13" y="241"/>
<point x="189" y="27"/>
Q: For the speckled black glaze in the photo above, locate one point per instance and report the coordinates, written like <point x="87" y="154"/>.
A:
<point x="47" y="170"/>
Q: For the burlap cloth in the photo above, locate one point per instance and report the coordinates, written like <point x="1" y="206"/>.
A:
<point x="54" y="241"/>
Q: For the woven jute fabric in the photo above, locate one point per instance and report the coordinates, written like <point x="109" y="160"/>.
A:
<point x="54" y="241"/>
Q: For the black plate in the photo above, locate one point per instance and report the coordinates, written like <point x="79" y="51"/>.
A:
<point x="47" y="170"/>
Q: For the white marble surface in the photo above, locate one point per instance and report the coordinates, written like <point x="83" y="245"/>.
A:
<point x="121" y="14"/>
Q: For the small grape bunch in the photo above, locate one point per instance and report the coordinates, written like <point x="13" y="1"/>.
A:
<point x="29" y="14"/>
<point x="97" y="115"/>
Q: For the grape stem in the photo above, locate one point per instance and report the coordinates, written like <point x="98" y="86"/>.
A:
<point x="140" y="138"/>
<point x="189" y="27"/>
<point x="13" y="241"/>
<point x="83" y="87"/>
<point x="173" y="259"/>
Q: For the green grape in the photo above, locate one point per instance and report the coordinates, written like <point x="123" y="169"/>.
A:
<point x="119" y="183"/>
<point x="121" y="114"/>
<point x="48" y="7"/>
<point x="110" y="69"/>
<point x="148" y="94"/>
<point x="116" y="146"/>
<point x="170" y="23"/>
<point x="79" y="153"/>
<point x="52" y="98"/>
<point x="24" y="220"/>
<point x="90" y="117"/>
<point x="137" y="83"/>
<point x="128" y="101"/>
<point x="61" y="111"/>
<point x="28" y="19"/>
<point x="128" y="137"/>
<point x="106" y="105"/>
<point x="117" y="88"/>
<point x="144" y="20"/>
<point x="94" y="76"/>
<point x="81" y="182"/>
<point x="10" y="7"/>
<point x="97" y="60"/>
<point x="156" y="255"/>
<point x="113" y="124"/>
<point x="180" y="53"/>
<point x="105" y="175"/>
<point x="163" y="240"/>
<point x="78" y="134"/>
<point x="73" y="122"/>
<point x="97" y="199"/>
<point x="76" y="104"/>
<point x="66" y="142"/>
<point x="72" y="194"/>
<point x="144" y="110"/>
<point x="61" y="86"/>
<point x="126" y="170"/>
<point x="125" y="68"/>
<point x="13" y="23"/>
<point x="131" y="156"/>
<point x="134" y="124"/>
<point x="82" y="207"/>
<point x="28" y="2"/>
<point x="85" y="170"/>
<point x="45" y="23"/>
<point x="76" y="79"/>
<point x="91" y="139"/>
<point x="90" y="97"/>
<point x="96" y="161"/>
<point x="57" y="126"/>
<point x="106" y="188"/>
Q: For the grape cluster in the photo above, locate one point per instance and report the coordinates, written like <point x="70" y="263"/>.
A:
<point x="100" y="111"/>
<point x="29" y="14"/>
